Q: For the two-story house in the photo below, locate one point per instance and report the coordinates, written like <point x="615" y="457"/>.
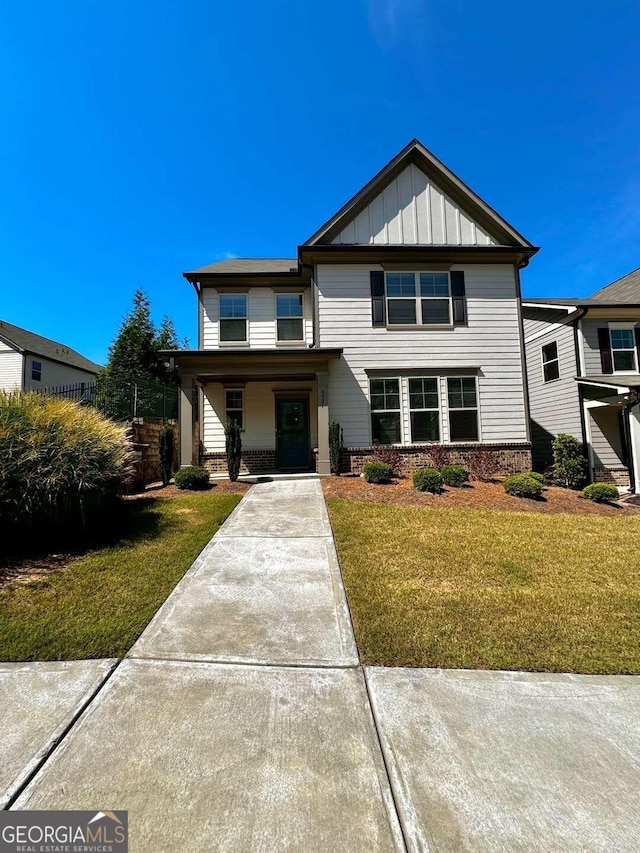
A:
<point x="399" y="318"/>
<point x="584" y="377"/>
<point x="29" y="362"/>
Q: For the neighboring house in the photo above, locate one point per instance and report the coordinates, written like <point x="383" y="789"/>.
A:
<point x="584" y="377"/>
<point x="399" y="318"/>
<point x="29" y="361"/>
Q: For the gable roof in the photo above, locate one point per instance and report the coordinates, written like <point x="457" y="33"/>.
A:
<point x="29" y="342"/>
<point x="416" y="153"/>
<point x="246" y="266"/>
<point x="625" y="289"/>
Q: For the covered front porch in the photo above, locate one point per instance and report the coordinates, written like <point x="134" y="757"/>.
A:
<point x="280" y="399"/>
<point x="612" y="425"/>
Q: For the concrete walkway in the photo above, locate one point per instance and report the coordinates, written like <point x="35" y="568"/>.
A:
<point x="241" y="721"/>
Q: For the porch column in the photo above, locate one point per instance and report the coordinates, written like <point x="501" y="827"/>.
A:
<point x="186" y="421"/>
<point x="324" y="465"/>
<point x="634" y="461"/>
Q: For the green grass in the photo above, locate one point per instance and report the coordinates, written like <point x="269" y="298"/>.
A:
<point x="487" y="589"/>
<point x="100" y="604"/>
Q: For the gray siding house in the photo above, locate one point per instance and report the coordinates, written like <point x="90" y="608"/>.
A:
<point x="29" y="361"/>
<point x="583" y="377"/>
<point x="400" y="318"/>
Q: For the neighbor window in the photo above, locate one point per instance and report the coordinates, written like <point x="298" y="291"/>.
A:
<point x="463" y="408"/>
<point x="289" y="317"/>
<point x="233" y="317"/>
<point x="623" y="348"/>
<point x="36" y="371"/>
<point x="422" y="299"/>
<point x="234" y="406"/>
<point x="424" y="409"/>
<point x="385" y="410"/>
<point x="550" y="362"/>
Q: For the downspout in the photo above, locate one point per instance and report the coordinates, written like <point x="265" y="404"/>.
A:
<point x="576" y="347"/>
<point x="626" y="420"/>
<point x="314" y="304"/>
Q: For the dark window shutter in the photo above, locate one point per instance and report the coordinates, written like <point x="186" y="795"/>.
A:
<point x="378" y="312"/>
<point x="604" y="342"/>
<point x="636" y="332"/>
<point x="459" y="298"/>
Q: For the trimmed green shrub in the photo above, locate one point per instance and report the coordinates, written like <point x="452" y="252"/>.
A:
<point x="165" y="452"/>
<point x="536" y="476"/>
<point x="193" y="477"/>
<point x="428" y="480"/>
<point x="377" y="472"/>
<point x="335" y="447"/>
<point x="522" y="486"/>
<point x="61" y="465"/>
<point x="454" y="475"/>
<point x="389" y="455"/>
<point x="601" y="493"/>
<point x="569" y="467"/>
<point x="233" y="448"/>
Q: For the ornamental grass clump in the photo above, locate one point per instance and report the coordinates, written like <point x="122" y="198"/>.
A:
<point x="61" y="465"/>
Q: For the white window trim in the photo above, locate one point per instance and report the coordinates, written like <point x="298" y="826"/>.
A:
<point x="550" y="361"/>
<point x="451" y="408"/>
<point x="226" y="410"/>
<point x="631" y="328"/>
<point x="418" y="300"/>
<point x="300" y="342"/>
<point x="245" y="342"/>
<point x="438" y="410"/>
<point x="400" y="410"/>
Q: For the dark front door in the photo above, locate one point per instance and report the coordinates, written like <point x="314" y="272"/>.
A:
<point x="292" y="430"/>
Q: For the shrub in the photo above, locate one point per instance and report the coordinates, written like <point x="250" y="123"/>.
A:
<point x="61" y="465"/>
<point x="601" y="493"/>
<point x="336" y="442"/>
<point x="482" y="463"/>
<point x="193" y="477"/>
<point x="569" y="464"/>
<point x="439" y="455"/>
<point x="165" y="452"/>
<point x="389" y="456"/>
<point x="377" y="472"/>
<point x="233" y="448"/>
<point x="428" y="480"/>
<point x="536" y="476"/>
<point x="522" y="486"/>
<point x="454" y="475"/>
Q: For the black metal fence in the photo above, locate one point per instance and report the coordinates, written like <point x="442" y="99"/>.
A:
<point x="121" y="399"/>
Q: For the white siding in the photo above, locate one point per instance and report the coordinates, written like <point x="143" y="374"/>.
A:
<point x="490" y="343"/>
<point x="54" y="373"/>
<point x="10" y="368"/>
<point x="259" y="414"/>
<point x="261" y="315"/>
<point x="411" y="210"/>
<point x="554" y="406"/>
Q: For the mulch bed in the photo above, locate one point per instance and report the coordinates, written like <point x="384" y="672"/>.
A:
<point x="475" y="495"/>
<point x="219" y="487"/>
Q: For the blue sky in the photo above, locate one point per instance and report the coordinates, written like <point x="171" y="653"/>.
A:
<point x="141" y="139"/>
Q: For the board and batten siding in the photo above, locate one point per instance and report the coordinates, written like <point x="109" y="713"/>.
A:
<point x="554" y="406"/>
<point x="490" y="343"/>
<point x="261" y="316"/>
<point x="54" y="373"/>
<point x="11" y="368"/>
<point x="410" y="211"/>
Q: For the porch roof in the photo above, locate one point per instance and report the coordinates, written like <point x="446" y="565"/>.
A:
<point x="632" y="381"/>
<point x="284" y="363"/>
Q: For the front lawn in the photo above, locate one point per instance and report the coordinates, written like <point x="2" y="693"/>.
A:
<point x="490" y="589"/>
<point x="99" y="604"/>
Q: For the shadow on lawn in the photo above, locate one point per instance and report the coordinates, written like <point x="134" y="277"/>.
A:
<point x="125" y="522"/>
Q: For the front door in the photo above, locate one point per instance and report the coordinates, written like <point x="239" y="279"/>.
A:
<point x="292" y="431"/>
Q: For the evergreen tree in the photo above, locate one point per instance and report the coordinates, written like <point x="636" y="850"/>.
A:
<point x="166" y="337"/>
<point x="133" y="352"/>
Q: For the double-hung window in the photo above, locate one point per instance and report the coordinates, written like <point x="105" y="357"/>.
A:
<point x="623" y="349"/>
<point x="234" y="405"/>
<point x="289" y="317"/>
<point x="233" y="317"/>
<point x="424" y="409"/>
<point x="463" y="408"/>
<point x="385" y="411"/>
<point x="422" y="299"/>
<point x="36" y="371"/>
<point x="550" y="362"/>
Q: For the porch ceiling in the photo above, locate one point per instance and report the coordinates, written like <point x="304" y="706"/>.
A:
<point x="609" y="381"/>
<point x="281" y="363"/>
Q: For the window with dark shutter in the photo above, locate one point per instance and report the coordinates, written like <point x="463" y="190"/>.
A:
<point x="458" y="292"/>
<point x="378" y="312"/>
<point x="604" y="342"/>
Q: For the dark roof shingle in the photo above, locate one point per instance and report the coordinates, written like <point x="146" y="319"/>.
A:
<point x="625" y="289"/>
<point x="248" y="266"/>
<point x="45" y="347"/>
